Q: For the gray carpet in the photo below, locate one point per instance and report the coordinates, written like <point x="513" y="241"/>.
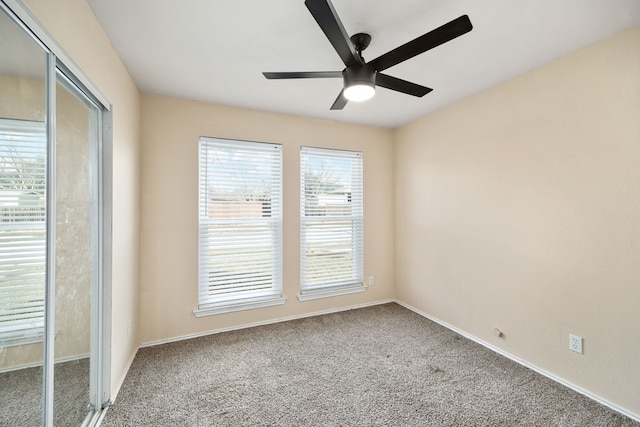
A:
<point x="21" y="395"/>
<point x="376" y="366"/>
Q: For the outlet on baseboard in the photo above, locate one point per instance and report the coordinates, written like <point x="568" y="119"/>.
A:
<point x="575" y="343"/>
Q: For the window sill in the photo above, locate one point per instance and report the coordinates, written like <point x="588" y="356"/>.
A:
<point x="238" y="305"/>
<point x="331" y="292"/>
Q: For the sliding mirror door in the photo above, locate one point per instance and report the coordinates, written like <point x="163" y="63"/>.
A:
<point x="76" y="251"/>
<point x="23" y="153"/>
<point x="53" y="362"/>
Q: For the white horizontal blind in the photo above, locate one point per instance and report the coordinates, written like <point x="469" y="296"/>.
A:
<point x="331" y="218"/>
<point x="22" y="229"/>
<point x="240" y="221"/>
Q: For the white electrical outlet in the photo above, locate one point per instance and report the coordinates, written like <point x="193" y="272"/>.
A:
<point x="129" y="328"/>
<point x="575" y="343"/>
<point x="372" y="280"/>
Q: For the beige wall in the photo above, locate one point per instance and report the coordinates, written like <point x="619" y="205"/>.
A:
<point x="519" y="209"/>
<point x="73" y="226"/>
<point x="23" y="98"/>
<point x="169" y="279"/>
<point x="75" y="28"/>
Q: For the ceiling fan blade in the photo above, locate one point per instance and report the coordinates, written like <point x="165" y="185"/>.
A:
<point x="434" y="38"/>
<point x="304" y="75"/>
<point x="399" y="85"/>
<point x="327" y="18"/>
<point x="340" y="101"/>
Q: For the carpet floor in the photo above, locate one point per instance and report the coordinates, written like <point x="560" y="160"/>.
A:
<point x="376" y="366"/>
<point x="21" y="395"/>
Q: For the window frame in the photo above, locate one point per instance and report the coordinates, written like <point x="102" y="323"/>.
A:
<point x="355" y="199"/>
<point x="216" y="301"/>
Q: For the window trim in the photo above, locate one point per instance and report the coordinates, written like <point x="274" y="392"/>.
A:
<point x="330" y="292"/>
<point x="248" y="304"/>
<point x="232" y="303"/>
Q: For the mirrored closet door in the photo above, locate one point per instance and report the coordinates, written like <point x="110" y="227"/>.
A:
<point x="23" y="154"/>
<point x="76" y="267"/>
<point x="52" y="369"/>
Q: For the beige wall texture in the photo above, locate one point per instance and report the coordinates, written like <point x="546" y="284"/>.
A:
<point x="169" y="275"/>
<point x="75" y="28"/>
<point x="73" y="226"/>
<point x="518" y="209"/>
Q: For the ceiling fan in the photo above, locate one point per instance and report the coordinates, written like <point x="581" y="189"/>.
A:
<point x="361" y="77"/>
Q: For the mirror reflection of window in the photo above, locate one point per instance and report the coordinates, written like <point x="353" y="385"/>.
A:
<point x="22" y="231"/>
<point x="23" y="144"/>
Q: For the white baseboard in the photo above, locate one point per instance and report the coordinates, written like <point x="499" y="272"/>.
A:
<point x="36" y="364"/>
<point x="522" y="362"/>
<point x="265" y="322"/>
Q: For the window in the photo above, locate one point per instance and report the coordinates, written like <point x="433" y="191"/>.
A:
<point x="331" y="222"/>
<point x="240" y="225"/>
<point x="22" y="230"/>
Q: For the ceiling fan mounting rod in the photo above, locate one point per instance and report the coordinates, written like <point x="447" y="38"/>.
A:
<point x="360" y="41"/>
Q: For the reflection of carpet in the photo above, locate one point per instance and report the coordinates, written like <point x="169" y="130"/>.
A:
<point x="21" y="395"/>
<point x="376" y="366"/>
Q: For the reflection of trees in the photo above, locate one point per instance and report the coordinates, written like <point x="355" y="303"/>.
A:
<point x="19" y="173"/>
<point x="22" y="229"/>
<point x="22" y="180"/>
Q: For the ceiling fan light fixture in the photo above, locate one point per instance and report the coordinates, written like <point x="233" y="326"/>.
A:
<point x="359" y="92"/>
<point x="359" y="82"/>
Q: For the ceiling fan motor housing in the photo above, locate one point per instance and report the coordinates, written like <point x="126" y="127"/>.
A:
<point x="359" y="75"/>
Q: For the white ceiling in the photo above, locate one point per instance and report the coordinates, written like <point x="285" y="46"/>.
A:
<point x="215" y="51"/>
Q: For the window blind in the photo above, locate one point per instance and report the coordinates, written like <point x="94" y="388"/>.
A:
<point x="240" y="209"/>
<point x="22" y="230"/>
<point x="331" y="222"/>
